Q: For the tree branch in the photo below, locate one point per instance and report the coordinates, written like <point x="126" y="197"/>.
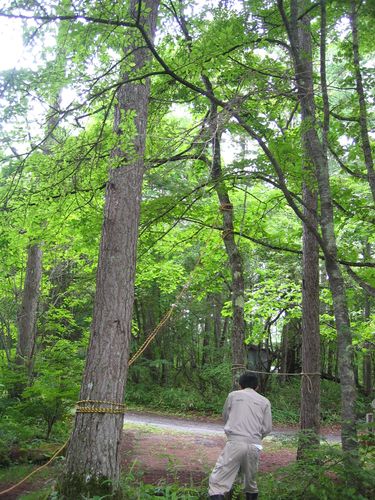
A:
<point x="370" y="290"/>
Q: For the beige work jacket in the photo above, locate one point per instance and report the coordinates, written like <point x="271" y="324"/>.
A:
<point x="247" y="415"/>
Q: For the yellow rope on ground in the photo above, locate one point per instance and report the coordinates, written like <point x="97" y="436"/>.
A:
<point x="36" y="470"/>
<point x="116" y="408"/>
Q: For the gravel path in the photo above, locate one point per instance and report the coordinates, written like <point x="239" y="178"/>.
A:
<point x="212" y="428"/>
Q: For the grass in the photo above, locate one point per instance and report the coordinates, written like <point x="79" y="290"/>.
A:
<point x="132" y="483"/>
<point x="12" y="475"/>
<point x="17" y="472"/>
<point x="321" y="477"/>
<point x="285" y="401"/>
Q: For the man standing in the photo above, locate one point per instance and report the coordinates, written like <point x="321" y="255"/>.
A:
<point x="247" y="420"/>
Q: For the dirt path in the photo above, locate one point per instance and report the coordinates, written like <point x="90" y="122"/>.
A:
<point x="169" y="449"/>
<point x="158" y="449"/>
<point x="214" y="426"/>
<point x="185" y="457"/>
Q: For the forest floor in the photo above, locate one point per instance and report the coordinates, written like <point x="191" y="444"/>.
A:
<point x="172" y="449"/>
<point x="159" y="449"/>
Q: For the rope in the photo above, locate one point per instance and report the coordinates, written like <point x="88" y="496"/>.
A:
<point x="226" y="207"/>
<point x="91" y="406"/>
<point x="36" y="470"/>
<point x="236" y="367"/>
<point x="96" y="406"/>
<point x="302" y="374"/>
<point x="169" y="313"/>
<point x="114" y="408"/>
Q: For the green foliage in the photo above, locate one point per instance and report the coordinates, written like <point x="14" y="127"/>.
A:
<point x="52" y="395"/>
<point x="322" y="475"/>
<point x="52" y="191"/>
<point x="269" y="298"/>
<point x="285" y="401"/>
<point x="44" y="408"/>
<point x="206" y="393"/>
<point x="133" y="487"/>
<point x="208" y="389"/>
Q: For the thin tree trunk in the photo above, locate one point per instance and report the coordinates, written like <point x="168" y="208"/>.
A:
<point x="206" y="341"/>
<point x="366" y="147"/>
<point x="367" y="369"/>
<point x="232" y="250"/>
<point x="300" y="40"/>
<point x="234" y="256"/>
<point x="92" y="462"/>
<point x="216" y="304"/>
<point x="28" y="313"/>
<point x="284" y="353"/>
<point x="233" y="253"/>
<point x="330" y="358"/>
<point x="367" y="358"/>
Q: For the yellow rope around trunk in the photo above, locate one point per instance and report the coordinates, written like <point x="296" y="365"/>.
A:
<point x="112" y="407"/>
<point x="98" y="406"/>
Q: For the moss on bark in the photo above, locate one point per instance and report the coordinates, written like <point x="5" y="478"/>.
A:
<point x="78" y="487"/>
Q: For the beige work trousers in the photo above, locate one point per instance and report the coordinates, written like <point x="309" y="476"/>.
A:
<point x="237" y="454"/>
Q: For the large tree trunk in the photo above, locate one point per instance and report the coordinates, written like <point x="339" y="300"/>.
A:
<point x="366" y="147"/>
<point x="300" y="40"/>
<point x="92" y="464"/>
<point x="28" y="313"/>
<point x="310" y="384"/>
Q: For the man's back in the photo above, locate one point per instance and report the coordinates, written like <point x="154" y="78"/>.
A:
<point x="247" y="415"/>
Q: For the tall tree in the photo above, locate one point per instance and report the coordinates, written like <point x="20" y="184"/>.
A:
<point x="298" y="29"/>
<point x="29" y="307"/>
<point x="310" y="352"/>
<point x="215" y="130"/>
<point x="367" y="357"/>
<point x="92" y="464"/>
<point x="366" y="147"/>
<point x="310" y="386"/>
<point x="231" y="247"/>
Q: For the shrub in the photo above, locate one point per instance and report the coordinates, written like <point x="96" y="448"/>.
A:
<point x="323" y="476"/>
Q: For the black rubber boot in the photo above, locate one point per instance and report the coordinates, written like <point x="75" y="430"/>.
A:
<point x="251" y="496"/>
<point x="216" y="497"/>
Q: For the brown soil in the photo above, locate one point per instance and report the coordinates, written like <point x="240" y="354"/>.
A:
<point x="183" y="458"/>
<point x="166" y="457"/>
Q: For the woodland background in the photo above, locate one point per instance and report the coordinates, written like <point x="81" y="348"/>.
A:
<point x="224" y="209"/>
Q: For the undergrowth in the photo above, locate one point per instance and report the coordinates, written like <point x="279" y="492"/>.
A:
<point x="321" y="476"/>
<point x="208" y="399"/>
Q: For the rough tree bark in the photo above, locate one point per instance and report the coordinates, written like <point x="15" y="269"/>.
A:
<point x="28" y="312"/>
<point x="92" y="465"/>
<point x="366" y="147"/>
<point x="300" y="40"/>
<point x="310" y="385"/>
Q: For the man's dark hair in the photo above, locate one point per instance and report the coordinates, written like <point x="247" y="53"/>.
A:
<point x="248" y="379"/>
